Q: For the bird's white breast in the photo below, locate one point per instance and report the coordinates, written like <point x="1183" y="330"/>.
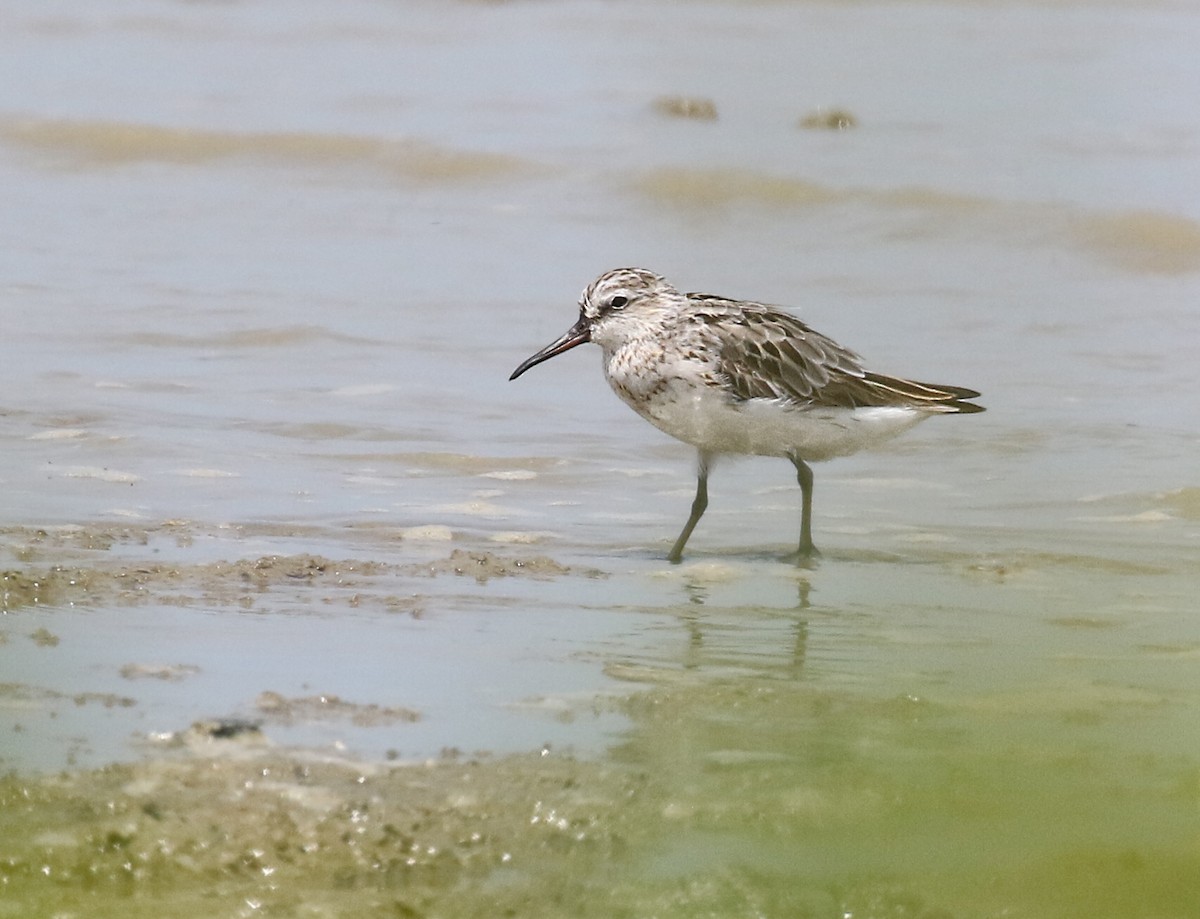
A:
<point x="687" y="400"/>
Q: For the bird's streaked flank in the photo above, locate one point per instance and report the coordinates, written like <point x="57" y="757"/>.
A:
<point x="734" y="376"/>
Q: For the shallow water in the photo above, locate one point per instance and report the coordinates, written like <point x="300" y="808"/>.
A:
<point x="266" y="270"/>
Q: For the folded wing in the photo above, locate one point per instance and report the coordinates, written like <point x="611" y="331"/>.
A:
<point x="765" y="353"/>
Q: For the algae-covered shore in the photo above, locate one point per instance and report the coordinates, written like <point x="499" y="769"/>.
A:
<point x="738" y="765"/>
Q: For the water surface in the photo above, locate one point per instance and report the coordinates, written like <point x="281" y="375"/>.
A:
<point x="266" y="269"/>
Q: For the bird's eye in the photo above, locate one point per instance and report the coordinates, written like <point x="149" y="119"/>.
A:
<point x="618" y="302"/>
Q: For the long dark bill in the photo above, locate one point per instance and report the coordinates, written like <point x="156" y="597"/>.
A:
<point x="578" y="334"/>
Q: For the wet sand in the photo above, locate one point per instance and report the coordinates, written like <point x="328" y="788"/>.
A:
<point x="240" y="828"/>
<point x="744" y="728"/>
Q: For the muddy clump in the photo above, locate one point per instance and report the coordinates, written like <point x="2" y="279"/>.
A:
<point x="828" y="119"/>
<point x="694" y="107"/>
<point x="217" y="583"/>
<point x="483" y="566"/>
<point x="284" y="710"/>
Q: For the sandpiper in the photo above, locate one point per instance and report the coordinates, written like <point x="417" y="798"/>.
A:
<point x="734" y="376"/>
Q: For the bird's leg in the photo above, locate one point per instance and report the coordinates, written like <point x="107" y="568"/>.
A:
<point x="698" y="507"/>
<point x="804" y="476"/>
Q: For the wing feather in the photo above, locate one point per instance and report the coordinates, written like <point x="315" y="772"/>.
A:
<point x="765" y="353"/>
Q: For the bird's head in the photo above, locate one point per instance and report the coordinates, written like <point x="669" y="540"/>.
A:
<point x="618" y="306"/>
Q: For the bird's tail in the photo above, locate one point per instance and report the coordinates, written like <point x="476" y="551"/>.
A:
<point x="932" y="396"/>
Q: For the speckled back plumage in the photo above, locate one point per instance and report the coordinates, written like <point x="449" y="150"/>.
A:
<point x="757" y="351"/>
<point x="766" y="353"/>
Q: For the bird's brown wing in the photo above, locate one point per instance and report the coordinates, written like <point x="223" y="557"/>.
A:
<point x="765" y="353"/>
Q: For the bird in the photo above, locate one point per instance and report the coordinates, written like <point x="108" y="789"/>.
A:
<point x="740" y="377"/>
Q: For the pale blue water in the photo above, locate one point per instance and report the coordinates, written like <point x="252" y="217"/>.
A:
<point x="266" y="268"/>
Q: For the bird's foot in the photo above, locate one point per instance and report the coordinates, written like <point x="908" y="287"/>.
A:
<point x="804" y="557"/>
